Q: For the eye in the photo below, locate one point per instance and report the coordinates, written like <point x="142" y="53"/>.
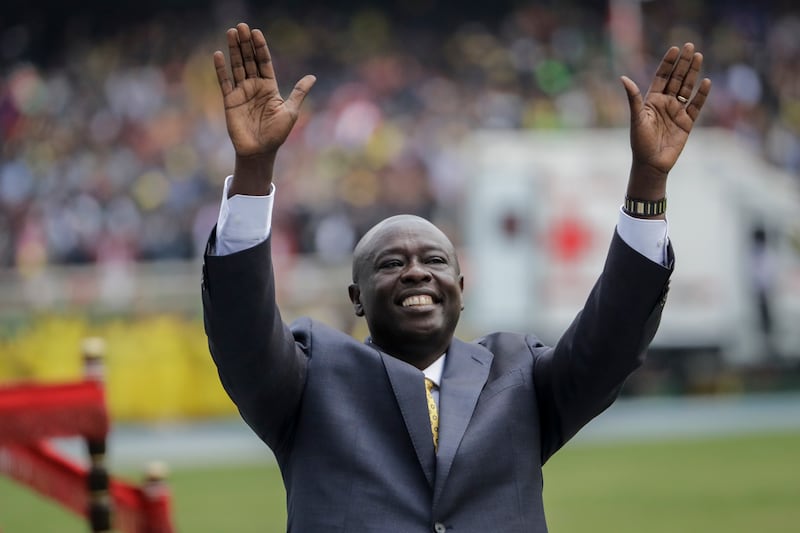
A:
<point x="437" y="260"/>
<point x="390" y="263"/>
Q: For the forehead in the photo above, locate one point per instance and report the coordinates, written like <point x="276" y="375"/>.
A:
<point x="407" y="234"/>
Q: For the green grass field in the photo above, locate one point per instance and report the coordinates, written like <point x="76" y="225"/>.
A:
<point x="725" y="484"/>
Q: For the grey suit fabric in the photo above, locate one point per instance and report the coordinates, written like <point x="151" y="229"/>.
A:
<point x="349" y="424"/>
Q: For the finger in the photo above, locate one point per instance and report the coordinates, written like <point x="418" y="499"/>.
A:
<point x="694" y="107"/>
<point x="680" y="71"/>
<point x="222" y="73"/>
<point x="685" y="92"/>
<point x="263" y="57"/>
<point x="665" y="68"/>
<point x="246" y="46"/>
<point x="299" y="93"/>
<point x="634" y="96"/>
<point x="235" y="55"/>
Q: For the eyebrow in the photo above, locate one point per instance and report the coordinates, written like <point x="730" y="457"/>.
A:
<point x="401" y="251"/>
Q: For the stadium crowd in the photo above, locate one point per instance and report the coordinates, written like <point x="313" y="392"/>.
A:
<point x="116" y="151"/>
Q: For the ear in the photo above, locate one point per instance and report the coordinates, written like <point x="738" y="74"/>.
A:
<point x="461" y="286"/>
<point x="355" y="297"/>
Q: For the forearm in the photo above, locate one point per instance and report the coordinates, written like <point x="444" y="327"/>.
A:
<point x="260" y="366"/>
<point x="580" y="377"/>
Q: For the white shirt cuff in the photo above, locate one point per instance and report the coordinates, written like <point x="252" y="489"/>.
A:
<point x="244" y="221"/>
<point x="648" y="237"/>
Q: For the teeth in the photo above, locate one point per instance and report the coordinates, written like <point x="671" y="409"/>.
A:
<point x="417" y="300"/>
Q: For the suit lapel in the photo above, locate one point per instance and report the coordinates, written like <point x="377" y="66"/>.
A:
<point x="465" y="373"/>
<point x="408" y="384"/>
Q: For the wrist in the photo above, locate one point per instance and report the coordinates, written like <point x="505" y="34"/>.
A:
<point x="252" y="175"/>
<point x="646" y="183"/>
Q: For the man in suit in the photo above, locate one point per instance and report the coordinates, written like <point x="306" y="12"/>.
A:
<point x="415" y="430"/>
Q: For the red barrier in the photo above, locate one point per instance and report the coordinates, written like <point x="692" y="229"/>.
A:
<point x="45" y="471"/>
<point x="143" y="509"/>
<point x="34" y="412"/>
<point x="31" y="413"/>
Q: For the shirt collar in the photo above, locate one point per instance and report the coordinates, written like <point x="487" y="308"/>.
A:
<point x="434" y="371"/>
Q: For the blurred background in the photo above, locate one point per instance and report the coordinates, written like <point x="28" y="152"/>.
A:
<point x="494" y="120"/>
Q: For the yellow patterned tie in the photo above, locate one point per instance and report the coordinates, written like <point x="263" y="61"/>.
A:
<point x="433" y="412"/>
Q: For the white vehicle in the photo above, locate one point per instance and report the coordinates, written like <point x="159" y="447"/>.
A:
<point x="544" y="211"/>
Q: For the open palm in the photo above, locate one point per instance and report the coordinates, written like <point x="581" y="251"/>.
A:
<point x="662" y="121"/>
<point x="257" y="117"/>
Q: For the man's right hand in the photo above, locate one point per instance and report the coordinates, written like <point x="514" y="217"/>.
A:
<point x="258" y="118"/>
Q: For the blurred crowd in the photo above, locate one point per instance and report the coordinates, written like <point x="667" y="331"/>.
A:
<point x="117" y="151"/>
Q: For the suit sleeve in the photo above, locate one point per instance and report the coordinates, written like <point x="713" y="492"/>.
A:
<point x="582" y="375"/>
<point x="261" y="366"/>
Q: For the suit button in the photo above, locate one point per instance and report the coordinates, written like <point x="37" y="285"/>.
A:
<point x="438" y="527"/>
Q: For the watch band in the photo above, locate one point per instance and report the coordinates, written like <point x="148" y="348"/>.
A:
<point x="647" y="208"/>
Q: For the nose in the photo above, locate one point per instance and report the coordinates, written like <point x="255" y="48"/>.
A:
<point x="415" y="272"/>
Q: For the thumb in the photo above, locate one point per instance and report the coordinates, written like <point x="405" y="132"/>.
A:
<point x="298" y="94"/>
<point x="634" y="95"/>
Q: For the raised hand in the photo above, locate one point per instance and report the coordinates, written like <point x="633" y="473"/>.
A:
<point x="662" y="120"/>
<point x="257" y="117"/>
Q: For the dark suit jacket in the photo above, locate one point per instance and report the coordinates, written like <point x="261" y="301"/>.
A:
<point x="349" y="424"/>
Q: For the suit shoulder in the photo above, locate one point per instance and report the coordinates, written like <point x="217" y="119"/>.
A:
<point x="313" y="335"/>
<point x="505" y="342"/>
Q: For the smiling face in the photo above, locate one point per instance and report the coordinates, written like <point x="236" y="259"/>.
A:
<point x="408" y="286"/>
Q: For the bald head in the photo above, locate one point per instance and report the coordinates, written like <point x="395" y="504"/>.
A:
<point x="376" y="237"/>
